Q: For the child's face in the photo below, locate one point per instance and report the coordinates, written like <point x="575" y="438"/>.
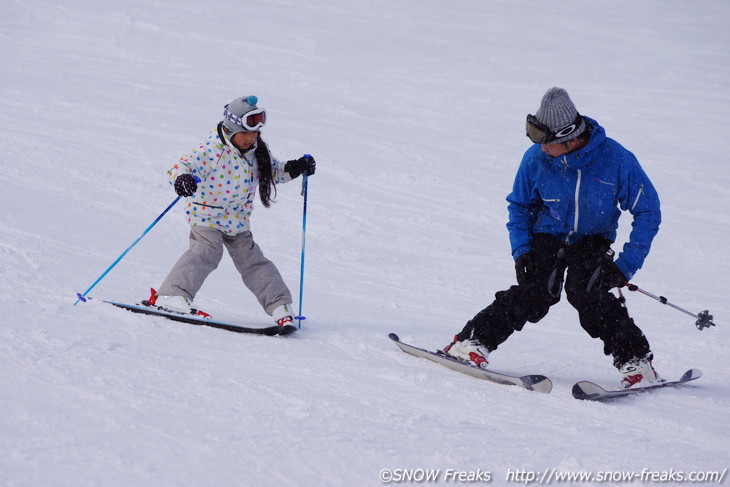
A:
<point x="244" y="140"/>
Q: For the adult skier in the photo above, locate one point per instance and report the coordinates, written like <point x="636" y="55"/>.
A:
<point x="219" y="179"/>
<point x="568" y="194"/>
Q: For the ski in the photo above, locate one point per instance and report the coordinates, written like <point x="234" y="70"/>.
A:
<point x="588" y="391"/>
<point x="193" y="320"/>
<point x="537" y="383"/>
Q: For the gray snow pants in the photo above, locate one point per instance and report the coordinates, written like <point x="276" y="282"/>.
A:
<point x="259" y="274"/>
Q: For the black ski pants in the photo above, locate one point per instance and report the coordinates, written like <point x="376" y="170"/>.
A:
<point x="601" y="313"/>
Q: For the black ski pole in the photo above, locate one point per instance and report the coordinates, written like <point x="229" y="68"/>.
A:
<point x="704" y="318"/>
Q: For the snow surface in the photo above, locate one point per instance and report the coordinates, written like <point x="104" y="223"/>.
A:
<point x="414" y="111"/>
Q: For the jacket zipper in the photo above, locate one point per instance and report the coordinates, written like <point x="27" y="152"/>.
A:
<point x="639" y="195"/>
<point x="577" y="201"/>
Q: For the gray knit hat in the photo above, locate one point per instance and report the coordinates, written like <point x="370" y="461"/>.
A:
<point x="235" y="118"/>
<point x="558" y="115"/>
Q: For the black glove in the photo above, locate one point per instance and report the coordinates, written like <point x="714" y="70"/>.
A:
<point x="304" y="165"/>
<point x="523" y="266"/>
<point x="185" y="185"/>
<point x="612" y="276"/>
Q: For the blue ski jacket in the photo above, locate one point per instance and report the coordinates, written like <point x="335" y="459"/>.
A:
<point x="583" y="193"/>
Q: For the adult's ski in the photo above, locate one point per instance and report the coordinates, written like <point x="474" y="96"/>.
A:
<point x="537" y="383"/>
<point x="195" y="320"/>
<point x="589" y="391"/>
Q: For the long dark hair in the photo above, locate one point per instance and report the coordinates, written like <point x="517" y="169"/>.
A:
<point x="266" y="179"/>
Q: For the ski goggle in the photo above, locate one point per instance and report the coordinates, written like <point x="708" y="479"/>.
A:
<point x="540" y="133"/>
<point x="252" y="121"/>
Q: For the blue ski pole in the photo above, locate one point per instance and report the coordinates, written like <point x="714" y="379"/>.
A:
<point x="82" y="297"/>
<point x="304" y="239"/>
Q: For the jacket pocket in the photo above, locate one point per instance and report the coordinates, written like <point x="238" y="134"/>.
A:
<point x="554" y="208"/>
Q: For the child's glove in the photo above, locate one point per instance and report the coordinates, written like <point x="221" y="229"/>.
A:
<point x="185" y="185"/>
<point x="304" y="165"/>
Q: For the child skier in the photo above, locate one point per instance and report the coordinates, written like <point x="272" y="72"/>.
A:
<point x="219" y="180"/>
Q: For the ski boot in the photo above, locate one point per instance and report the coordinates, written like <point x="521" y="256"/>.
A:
<point x="471" y="351"/>
<point x="174" y="304"/>
<point x="283" y="315"/>
<point x="638" y="370"/>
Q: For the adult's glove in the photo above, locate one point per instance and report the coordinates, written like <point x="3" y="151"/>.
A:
<point x="304" y="165"/>
<point x="523" y="266"/>
<point x="612" y="276"/>
<point x="185" y="185"/>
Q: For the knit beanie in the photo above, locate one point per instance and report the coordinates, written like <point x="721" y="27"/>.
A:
<point x="234" y="111"/>
<point x="558" y="113"/>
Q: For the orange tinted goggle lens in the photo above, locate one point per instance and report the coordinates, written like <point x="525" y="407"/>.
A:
<point x="255" y="120"/>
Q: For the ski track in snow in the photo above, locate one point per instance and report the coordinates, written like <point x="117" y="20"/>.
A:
<point x="414" y="112"/>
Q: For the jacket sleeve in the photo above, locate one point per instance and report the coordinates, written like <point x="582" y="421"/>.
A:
<point x="521" y="210"/>
<point x="639" y="197"/>
<point x="200" y="161"/>
<point x="277" y="168"/>
<point x="182" y="166"/>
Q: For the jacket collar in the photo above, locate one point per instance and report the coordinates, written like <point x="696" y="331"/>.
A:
<point x="582" y="157"/>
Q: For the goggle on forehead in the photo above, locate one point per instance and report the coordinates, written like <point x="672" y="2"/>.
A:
<point x="251" y="121"/>
<point x="540" y="133"/>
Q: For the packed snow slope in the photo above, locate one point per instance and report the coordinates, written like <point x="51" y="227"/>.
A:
<point x="414" y="111"/>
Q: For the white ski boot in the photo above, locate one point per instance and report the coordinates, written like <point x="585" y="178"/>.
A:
<point x="638" y="370"/>
<point x="472" y="351"/>
<point x="175" y="304"/>
<point x="283" y="315"/>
